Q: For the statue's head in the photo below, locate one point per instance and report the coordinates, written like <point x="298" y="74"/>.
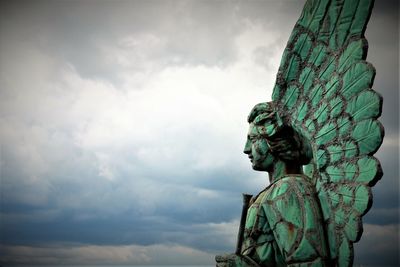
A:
<point x="270" y="140"/>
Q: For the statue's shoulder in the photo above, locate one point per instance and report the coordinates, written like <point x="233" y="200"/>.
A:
<point x="292" y="210"/>
<point x="290" y="198"/>
<point x="288" y="184"/>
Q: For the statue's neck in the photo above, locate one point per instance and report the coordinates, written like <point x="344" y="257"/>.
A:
<point x="282" y="168"/>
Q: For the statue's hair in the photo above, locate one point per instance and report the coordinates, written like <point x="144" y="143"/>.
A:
<point x="259" y="109"/>
<point x="283" y="141"/>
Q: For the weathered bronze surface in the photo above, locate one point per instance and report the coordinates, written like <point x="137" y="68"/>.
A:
<point x="316" y="140"/>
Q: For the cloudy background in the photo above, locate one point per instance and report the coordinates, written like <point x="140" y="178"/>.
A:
<point x="122" y="125"/>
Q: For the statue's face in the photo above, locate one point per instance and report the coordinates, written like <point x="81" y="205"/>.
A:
<point x="258" y="149"/>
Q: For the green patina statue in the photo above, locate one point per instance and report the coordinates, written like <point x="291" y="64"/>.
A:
<point x="316" y="140"/>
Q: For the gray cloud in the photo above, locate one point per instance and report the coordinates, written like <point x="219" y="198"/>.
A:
<point x="385" y="209"/>
<point x="172" y="33"/>
<point x="380" y="246"/>
<point x="383" y="36"/>
<point x="123" y="125"/>
<point x="90" y="254"/>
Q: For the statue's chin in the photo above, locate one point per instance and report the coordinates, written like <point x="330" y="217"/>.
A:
<point x="257" y="168"/>
<point x="262" y="168"/>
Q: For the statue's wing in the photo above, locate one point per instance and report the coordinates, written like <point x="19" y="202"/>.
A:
<point x="323" y="90"/>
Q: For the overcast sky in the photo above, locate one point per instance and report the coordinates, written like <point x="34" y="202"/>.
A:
<point x="122" y="125"/>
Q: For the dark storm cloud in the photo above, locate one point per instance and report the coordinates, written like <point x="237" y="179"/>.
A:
<point x="385" y="208"/>
<point x="93" y="224"/>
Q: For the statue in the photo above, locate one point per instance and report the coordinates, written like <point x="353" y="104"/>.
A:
<point x="316" y="140"/>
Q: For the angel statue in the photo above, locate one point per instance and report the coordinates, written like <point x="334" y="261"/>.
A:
<point x="316" y="140"/>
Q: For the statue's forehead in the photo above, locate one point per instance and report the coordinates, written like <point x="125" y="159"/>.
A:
<point x="252" y="129"/>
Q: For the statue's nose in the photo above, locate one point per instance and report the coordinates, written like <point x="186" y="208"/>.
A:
<point x="247" y="147"/>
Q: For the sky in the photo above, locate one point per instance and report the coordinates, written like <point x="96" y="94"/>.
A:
<point x="122" y="126"/>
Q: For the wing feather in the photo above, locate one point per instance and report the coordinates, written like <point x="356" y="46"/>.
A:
<point x="323" y="90"/>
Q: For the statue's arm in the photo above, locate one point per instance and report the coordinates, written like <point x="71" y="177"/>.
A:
<point x="233" y="260"/>
<point x="257" y="241"/>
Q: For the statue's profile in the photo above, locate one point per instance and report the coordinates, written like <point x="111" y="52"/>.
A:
<point x="316" y="140"/>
